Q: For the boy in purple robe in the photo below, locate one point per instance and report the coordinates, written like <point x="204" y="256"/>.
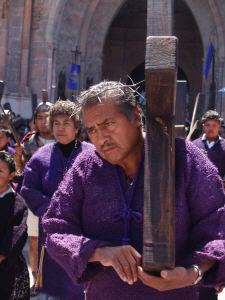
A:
<point x="211" y="143"/>
<point x="42" y="175"/>
<point x="94" y="221"/>
<point x="14" y="277"/>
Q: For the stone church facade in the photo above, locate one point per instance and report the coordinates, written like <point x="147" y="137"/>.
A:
<point x="39" y="37"/>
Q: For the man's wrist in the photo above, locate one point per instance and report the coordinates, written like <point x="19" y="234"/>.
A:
<point x="196" y="273"/>
<point x="96" y="255"/>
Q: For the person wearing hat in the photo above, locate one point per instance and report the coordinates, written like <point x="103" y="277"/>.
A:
<point x="29" y="145"/>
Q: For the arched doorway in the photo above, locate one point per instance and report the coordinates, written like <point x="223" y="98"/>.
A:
<point x="124" y="48"/>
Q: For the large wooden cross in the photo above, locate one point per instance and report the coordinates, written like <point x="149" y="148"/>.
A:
<point x="159" y="192"/>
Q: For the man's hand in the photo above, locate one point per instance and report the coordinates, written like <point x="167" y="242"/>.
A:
<point x="19" y="158"/>
<point x="19" y="149"/>
<point x="1" y="258"/>
<point x="124" y="259"/>
<point x="179" y="277"/>
<point x="219" y="289"/>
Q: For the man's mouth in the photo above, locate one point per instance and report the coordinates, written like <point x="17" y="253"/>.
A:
<point x="108" y="148"/>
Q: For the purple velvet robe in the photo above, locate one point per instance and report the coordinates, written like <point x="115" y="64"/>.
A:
<point x="42" y="174"/>
<point x="81" y="217"/>
<point x="216" y="154"/>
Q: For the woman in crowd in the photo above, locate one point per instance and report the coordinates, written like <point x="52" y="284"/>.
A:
<point x="42" y="175"/>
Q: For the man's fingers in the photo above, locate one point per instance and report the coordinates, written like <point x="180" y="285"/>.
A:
<point x="136" y="255"/>
<point x="219" y="289"/>
<point x="167" y="274"/>
<point x="126" y="267"/>
<point x="134" y="260"/>
<point x="119" y="270"/>
<point x="133" y="266"/>
<point x="124" y="259"/>
<point x="141" y="274"/>
<point x="174" y="274"/>
<point x="144" y="277"/>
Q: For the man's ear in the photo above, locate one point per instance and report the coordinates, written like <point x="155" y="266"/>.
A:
<point x="12" y="175"/>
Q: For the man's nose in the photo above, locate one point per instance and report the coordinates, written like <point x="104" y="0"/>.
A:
<point x="60" y="126"/>
<point x="103" y="137"/>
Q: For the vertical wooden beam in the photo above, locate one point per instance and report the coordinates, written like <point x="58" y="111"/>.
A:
<point x="159" y="192"/>
<point x="160" y="17"/>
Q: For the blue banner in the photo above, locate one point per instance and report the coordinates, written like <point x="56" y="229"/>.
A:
<point x="74" y="78"/>
<point x="208" y="60"/>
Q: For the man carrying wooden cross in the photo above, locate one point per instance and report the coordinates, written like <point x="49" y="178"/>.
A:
<point x="94" y="223"/>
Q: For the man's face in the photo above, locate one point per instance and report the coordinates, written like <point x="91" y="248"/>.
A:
<point x="3" y="140"/>
<point x="211" y="129"/>
<point x="113" y="135"/>
<point x="42" y="122"/>
<point x="63" y="129"/>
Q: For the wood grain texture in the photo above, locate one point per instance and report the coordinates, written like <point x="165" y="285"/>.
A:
<point x="159" y="183"/>
<point x="159" y="191"/>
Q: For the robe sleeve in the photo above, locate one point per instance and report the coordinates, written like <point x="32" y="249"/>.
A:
<point x="206" y="198"/>
<point x="31" y="189"/>
<point x="16" y="235"/>
<point x="65" y="241"/>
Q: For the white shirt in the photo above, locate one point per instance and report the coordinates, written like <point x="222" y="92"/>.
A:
<point x="10" y="190"/>
<point x="209" y="144"/>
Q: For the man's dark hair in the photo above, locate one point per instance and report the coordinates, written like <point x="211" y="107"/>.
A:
<point x="123" y="95"/>
<point x="211" y="115"/>
<point x="9" y="160"/>
<point x="6" y="131"/>
<point x="62" y="107"/>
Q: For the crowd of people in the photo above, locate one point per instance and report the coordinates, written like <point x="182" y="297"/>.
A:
<point x="80" y="172"/>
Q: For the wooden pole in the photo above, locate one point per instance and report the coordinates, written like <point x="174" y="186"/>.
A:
<point x="193" y="119"/>
<point x="159" y="191"/>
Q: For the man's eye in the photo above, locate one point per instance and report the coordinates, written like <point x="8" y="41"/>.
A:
<point x="108" y="123"/>
<point x="90" y="131"/>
